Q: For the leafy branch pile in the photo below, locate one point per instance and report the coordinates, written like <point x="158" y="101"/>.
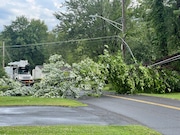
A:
<point x="137" y="78"/>
<point x="9" y="87"/>
<point x="61" y="80"/>
<point x="88" y="77"/>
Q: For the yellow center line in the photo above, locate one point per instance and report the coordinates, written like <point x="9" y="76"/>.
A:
<point x="146" y="102"/>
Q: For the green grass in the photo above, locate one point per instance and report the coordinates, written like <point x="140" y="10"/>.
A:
<point x="77" y="130"/>
<point x="167" y="95"/>
<point x="32" y="101"/>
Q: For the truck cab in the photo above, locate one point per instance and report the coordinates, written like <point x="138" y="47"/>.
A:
<point x="19" y="71"/>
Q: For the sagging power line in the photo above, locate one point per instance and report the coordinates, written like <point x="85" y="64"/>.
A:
<point x="61" y="42"/>
<point x="174" y="58"/>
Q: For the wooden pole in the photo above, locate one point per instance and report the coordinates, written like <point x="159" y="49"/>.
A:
<point x="123" y="28"/>
<point x="3" y="63"/>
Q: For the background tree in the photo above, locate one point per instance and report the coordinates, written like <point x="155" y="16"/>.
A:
<point x="76" y="23"/>
<point x="173" y="19"/>
<point x="153" y="29"/>
<point x="158" y="21"/>
<point x="20" y="36"/>
<point x="158" y="38"/>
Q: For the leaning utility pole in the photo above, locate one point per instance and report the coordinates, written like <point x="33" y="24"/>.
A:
<point x="123" y="27"/>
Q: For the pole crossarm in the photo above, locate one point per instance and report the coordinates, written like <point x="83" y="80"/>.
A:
<point x="113" y="23"/>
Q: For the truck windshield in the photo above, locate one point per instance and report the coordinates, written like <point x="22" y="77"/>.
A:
<point x="23" y="71"/>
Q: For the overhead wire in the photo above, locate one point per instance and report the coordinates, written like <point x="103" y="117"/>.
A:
<point x="174" y="58"/>
<point x="89" y="39"/>
<point x="60" y="42"/>
<point x="56" y="43"/>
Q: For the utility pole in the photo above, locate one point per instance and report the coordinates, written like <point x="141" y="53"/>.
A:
<point x="123" y="28"/>
<point x="3" y="55"/>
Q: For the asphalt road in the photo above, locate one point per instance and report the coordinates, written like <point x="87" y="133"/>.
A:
<point x="160" y="114"/>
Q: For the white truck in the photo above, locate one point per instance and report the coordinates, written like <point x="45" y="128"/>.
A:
<point x="19" y="70"/>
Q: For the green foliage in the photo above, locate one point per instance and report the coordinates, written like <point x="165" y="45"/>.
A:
<point x="158" y="20"/>
<point x="11" y="84"/>
<point x="163" y="25"/>
<point x="24" y="32"/>
<point x="166" y="95"/>
<point x="9" y="87"/>
<point x="62" y="80"/>
<point x="59" y="80"/>
<point x="76" y="24"/>
<point x="19" y="91"/>
<point x="2" y="72"/>
<point x="33" y="101"/>
<point x="4" y="88"/>
<point x="117" y="72"/>
<point x="171" y="79"/>
<point x="137" y="78"/>
<point x="78" y="130"/>
<point x="89" y="76"/>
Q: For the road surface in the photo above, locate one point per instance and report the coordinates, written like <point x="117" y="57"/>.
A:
<point x="160" y="114"/>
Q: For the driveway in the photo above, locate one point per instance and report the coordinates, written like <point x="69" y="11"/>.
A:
<point x="51" y="115"/>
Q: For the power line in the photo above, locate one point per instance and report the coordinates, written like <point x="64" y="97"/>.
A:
<point x="75" y="40"/>
<point x="60" y="42"/>
<point x="125" y="43"/>
<point x="166" y="61"/>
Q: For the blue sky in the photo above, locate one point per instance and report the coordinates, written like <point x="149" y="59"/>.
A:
<point x="32" y="9"/>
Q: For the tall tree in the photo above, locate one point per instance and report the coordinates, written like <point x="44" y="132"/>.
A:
<point x="164" y="19"/>
<point x="76" y="23"/>
<point x="158" y="20"/>
<point x="24" y="32"/>
<point x="173" y="19"/>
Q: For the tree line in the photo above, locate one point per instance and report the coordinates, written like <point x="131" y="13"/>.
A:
<point x="152" y="32"/>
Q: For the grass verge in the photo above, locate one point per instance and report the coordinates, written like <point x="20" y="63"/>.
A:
<point x="167" y="95"/>
<point x="32" y="101"/>
<point x="78" y="130"/>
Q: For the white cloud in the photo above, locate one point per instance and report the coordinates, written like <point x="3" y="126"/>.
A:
<point x="31" y="1"/>
<point x="57" y="4"/>
<point x="32" y="9"/>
